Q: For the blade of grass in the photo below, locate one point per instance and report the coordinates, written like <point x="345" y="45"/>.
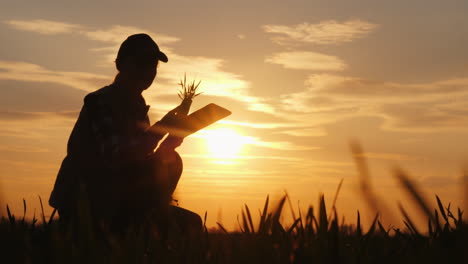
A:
<point x="42" y="211"/>
<point x="336" y="197"/>
<point x="358" y="225"/>
<point x="222" y="227"/>
<point x="11" y="217"/>
<point x="408" y="221"/>
<point x="278" y="210"/>
<point x="240" y="226"/>
<point x="300" y="219"/>
<point x="24" y="212"/>
<point x="276" y="227"/>
<point x="204" y="221"/>
<point x="441" y="208"/>
<point x="429" y="228"/>
<point x="337" y="193"/>
<point x="382" y="229"/>
<point x="372" y="228"/>
<point x="249" y="217"/>
<point x="262" y="224"/>
<point x="290" y="205"/>
<point x="291" y="228"/>
<point x="364" y="176"/>
<point x="52" y="216"/>
<point x="414" y="192"/>
<point x="244" y="223"/>
<point x="323" y="221"/>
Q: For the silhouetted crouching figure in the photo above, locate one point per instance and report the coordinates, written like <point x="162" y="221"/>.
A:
<point x="110" y="153"/>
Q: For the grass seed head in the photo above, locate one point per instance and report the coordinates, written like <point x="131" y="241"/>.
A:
<point x="188" y="90"/>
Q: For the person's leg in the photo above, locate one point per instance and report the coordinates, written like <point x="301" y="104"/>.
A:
<point x="168" y="168"/>
<point x="189" y="222"/>
<point x="145" y="190"/>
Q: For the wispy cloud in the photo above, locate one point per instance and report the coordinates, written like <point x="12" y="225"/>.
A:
<point x="306" y="60"/>
<point x="28" y="164"/>
<point x="305" y="132"/>
<point x="117" y="34"/>
<point x="23" y="149"/>
<point x="366" y="88"/>
<point x="30" y="125"/>
<point x="425" y="117"/>
<point x="256" y="141"/>
<point x="41" y="26"/>
<point x="114" y="34"/>
<point x="285" y="145"/>
<point x="29" y="72"/>
<point x="417" y="106"/>
<point x="24" y="116"/>
<point x="241" y="157"/>
<point x="388" y="156"/>
<point x="324" y="33"/>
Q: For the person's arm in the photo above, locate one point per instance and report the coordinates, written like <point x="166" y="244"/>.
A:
<point x="167" y="124"/>
<point x="114" y="146"/>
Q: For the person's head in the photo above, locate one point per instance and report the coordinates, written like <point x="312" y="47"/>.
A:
<point x="137" y="60"/>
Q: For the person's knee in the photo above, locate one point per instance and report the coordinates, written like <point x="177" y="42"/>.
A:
<point x="188" y="219"/>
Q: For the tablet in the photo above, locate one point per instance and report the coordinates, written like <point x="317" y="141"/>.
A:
<point x="200" y="119"/>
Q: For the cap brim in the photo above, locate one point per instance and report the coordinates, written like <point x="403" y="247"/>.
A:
<point x="162" y="57"/>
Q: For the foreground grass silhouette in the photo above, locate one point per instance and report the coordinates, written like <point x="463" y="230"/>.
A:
<point x="318" y="236"/>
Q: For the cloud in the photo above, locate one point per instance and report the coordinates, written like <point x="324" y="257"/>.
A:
<point x="306" y="132"/>
<point x="45" y="27"/>
<point x="425" y="116"/>
<point x="359" y="87"/>
<point x="29" y="72"/>
<point x="388" y="156"/>
<point x="284" y="145"/>
<point x="23" y="149"/>
<point x="28" y="165"/>
<point x="324" y="33"/>
<point x="258" y="125"/>
<point x="255" y="141"/>
<point x="241" y="157"/>
<point x="35" y="125"/>
<point x="306" y="60"/>
<point x="427" y="106"/>
<point x="13" y="115"/>
<point x="117" y="34"/>
<point x="25" y="116"/>
<point x="440" y="182"/>
<point x="26" y="96"/>
<point x="114" y="34"/>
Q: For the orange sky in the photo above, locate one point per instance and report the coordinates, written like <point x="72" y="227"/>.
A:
<point x="302" y="79"/>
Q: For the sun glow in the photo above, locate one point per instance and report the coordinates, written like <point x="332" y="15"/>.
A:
<point x="225" y="145"/>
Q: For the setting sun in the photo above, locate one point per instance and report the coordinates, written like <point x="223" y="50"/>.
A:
<point x="225" y="144"/>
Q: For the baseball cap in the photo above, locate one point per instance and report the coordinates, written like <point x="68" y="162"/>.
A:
<point x="142" y="47"/>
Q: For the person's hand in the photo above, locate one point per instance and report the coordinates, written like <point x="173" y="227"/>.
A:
<point x="171" y="142"/>
<point x="172" y="119"/>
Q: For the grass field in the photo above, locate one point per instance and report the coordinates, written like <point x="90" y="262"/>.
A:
<point x="316" y="235"/>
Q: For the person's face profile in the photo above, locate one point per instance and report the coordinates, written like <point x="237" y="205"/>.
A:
<point x="143" y="72"/>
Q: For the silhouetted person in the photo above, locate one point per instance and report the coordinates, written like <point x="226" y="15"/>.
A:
<point x="110" y="153"/>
